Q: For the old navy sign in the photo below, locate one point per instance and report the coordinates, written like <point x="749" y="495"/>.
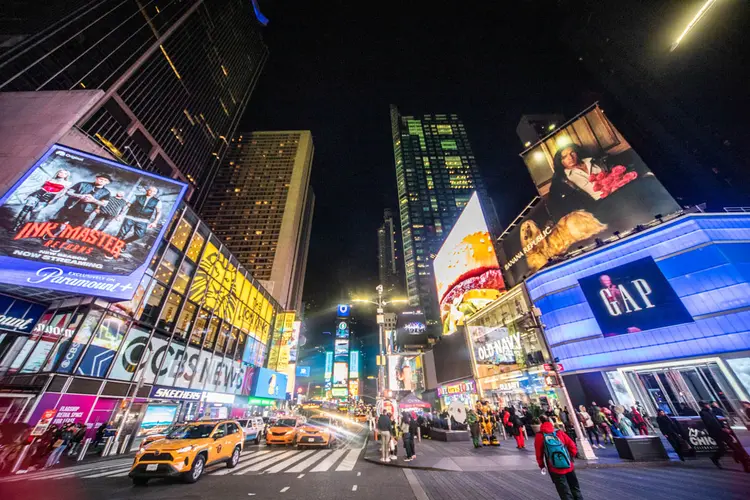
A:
<point x="633" y="297"/>
<point x="160" y="392"/>
<point x="19" y="316"/>
<point x="500" y="350"/>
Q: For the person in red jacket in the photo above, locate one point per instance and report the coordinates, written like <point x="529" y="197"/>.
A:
<point x="555" y="451"/>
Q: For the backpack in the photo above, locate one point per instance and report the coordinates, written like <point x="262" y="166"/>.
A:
<point x="556" y="452"/>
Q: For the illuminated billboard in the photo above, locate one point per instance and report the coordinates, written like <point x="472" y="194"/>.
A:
<point x="404" y="372"/>
<point x="633" y="297"/>
<point x="342" y="330"/>
<point x="83" y="224"/>
<point x="340" y="374"/>
<point x="269" y="384"/>
<point x="343" y="310"/>
<point x="592" y="185"/>
<point x="467" y="272"/>
<point x="341" y="350"/>
<point x="354" y="364"/>
<point x="329" y="366"/>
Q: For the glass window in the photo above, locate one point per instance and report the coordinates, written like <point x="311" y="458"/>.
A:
<point x="213" y="328"/>
<point x="221" y="342"/>
<point x="49" y="334"/>
<point x="169" y="311"/>
<point x="104" y="345"/>
<point x="221" y="431"/>
<point x="168" y="265"/>
<point x="181" y="234"/>
<point x="79" y="341"/>
<point x="187" y="269"/>
<point x="157" y="256"/>
<point x="196" y="245"/>
<point x="62" y="346"/>
<point x="130" y="355"/>
<point x="153" y="303"/>
<point x="231" y="343"/>
<point x="201" y="322"/>
<point x="232" y="428"/>
<point x="185" y="320"/>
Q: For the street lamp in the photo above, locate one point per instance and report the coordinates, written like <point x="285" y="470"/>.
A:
<point x="381" y="331"/>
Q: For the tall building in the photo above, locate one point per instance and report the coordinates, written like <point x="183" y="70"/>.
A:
<point x="436" y="173"/>
<point x="176" y="76"/>
<point x="389" y="266"/>
<point x="261" y="207"/>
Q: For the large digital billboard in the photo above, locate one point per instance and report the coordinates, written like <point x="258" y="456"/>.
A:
<point x="84" y="224"/>
<point x="404" y="372"/>
<point x="269" y="384"/>
<point x="354" y="364"/>
<point x="340" y="374"/>
<point x="328" y="372"/>
<point x="633" y="297"/>
<point x="467" y="272"/>
<point x="592" y="185"/>
<point x="341" y="350"/>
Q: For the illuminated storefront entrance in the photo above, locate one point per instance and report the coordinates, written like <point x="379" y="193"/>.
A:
<point x="464" y="391"/>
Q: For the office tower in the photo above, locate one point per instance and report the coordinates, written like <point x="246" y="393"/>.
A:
<point x="436" y="173"/>
<point x="389" y="265"/>
<point x="176" y="76"/>
<point x="261" y="207"/>
<point x="531" y="128"/>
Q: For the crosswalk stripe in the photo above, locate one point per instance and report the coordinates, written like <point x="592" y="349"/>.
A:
<point x="264" y="463"/>
<point x="309" y="461"/>
<point x="66" y="473"/>
<point x="328" y="462"/>
<point x="107" y="473"/>
<point x="289" y="461"/>
<point x="257" y="457"/>
<point x="349" y="461"/>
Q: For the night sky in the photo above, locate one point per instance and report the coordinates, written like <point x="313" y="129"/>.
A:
<point x="334" y="68"/>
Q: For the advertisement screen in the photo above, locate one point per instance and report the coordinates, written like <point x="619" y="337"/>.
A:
<point x="404" y="372"/>
<point x="84" y="224"/>
<point x="341" y="350"/>
<point x="632" y="298"/>
<point x="340" y="374"/>
<point x="342" y="330"/>
<point x="157" y="418"/>
<point x="592" y="184"/>
<point x="329" y="366"/>
<point x="467" y="272"/>
<point x="303" y="371"/>
<point x="296" y="327"/>
<point x="19" y="316"/>
<point x="343" y="310"/>
<point x="270" y="384"/>
<point x="354" y="364"/>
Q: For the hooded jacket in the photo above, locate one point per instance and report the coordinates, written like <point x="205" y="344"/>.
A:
<point x="548" y="428"/>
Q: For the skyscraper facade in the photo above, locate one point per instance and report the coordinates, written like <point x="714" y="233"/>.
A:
<point x="436" y="173"/>
<point x="389" y="264"/>
<point x="176" y="76"/>
<point x="261" y="207"/>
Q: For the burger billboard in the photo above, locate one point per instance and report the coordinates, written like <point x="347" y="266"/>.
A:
<point x="467" y="271"/>
<point x="83" y="224"/>
<point x="592" y="185"/>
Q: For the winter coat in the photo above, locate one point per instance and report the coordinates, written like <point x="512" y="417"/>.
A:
<point x="548" y="428"/>
<point x="667" y="425"/>
<point x="712" y="424"/>
<point x="384" y="423"/>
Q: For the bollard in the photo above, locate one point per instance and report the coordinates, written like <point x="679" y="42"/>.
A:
<point x="84" y="449"/>
<point x="124" y="447"/>
<point x="20" y="459"/>
<point x="419" y="434"/>
<point x="107" y="446"/>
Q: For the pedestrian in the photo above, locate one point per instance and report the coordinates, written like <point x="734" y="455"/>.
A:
<point x="384" y="432"/>
<point x="413" y="429"/>
<point x="717" y="410"/>
<point x="639" y="422"/>
<point x="624" y="425"/>
<point x="473" y="421"/>
<point x="405" y="419"/>
<point x="79" y="432"/>
<point x="672" y="433"/>
<point x="588" y="424"/>
<point x="528" y="420"/>
<point x="513" y="423"/>
<point x="60" y="445"/>
<point x="718" y="433"/>
<point x="554" y="453"/>
<point x="601" y="426"/>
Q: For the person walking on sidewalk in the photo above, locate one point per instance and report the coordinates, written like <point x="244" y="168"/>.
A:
<point x="639" y="421"/>
<point x="555" y="451"/>
<point x="672" y="433"/>
<point x="588" y="424"/>
<point x="384" y="432"/>
<point x="405" y="436"/>
<point x="473" y="421"/>
<point x="513" y="423"/>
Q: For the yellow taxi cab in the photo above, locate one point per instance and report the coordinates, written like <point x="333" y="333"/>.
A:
<point x="284" y="431"/>
<point x="309" y="435"/>
<point x="188" y="449"/>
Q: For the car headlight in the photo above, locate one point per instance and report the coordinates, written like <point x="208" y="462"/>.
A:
<point x="185" y="449"/>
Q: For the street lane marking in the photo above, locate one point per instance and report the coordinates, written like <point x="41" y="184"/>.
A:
<point x="308" y="462"/>
<point x="256" y="458"/>
<point x="329" y="461"/>
<point x="416" y="488"/>
<point x="289" y="461"/>
<point x="300" y="476"/>
<point x="284" y="489"/>
<point x="359" y="474"/>
<point x="102" y="474"/>
<point x="264" y="463"/>
<point x="63" y="474"/>
<point x="349" y="461"/>
<point x="354" y="488"/>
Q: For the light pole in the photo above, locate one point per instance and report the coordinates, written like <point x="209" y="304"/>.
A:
<point x="382" y="343"/>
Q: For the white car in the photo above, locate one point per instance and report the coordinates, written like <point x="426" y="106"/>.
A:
<point x="253" y="428"/>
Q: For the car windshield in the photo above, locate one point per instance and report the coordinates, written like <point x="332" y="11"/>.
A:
<point x="192" y="431"/>
<point x="286" y="422"/>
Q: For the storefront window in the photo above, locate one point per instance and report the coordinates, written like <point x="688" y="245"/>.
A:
<point x="49" y="334"/>
<point x="196" y="245"/>
<point x="157" y="256"/>
<point x="741" y="368"/>
<point x="221" y="342"/>
<point x="167" y="266"/>
<point x="213" y="329"/>
<point x="231" y="343"/>
<point x="169" y="311"/>
<point x="181" y="234"/>
<point x="134" y="307"/>
<point x="62" y="346"/>
<point x="183" y="276"/>
<point x="201" y="323"/>
<point x="153" y="303"/>
<point x="185" y="320"/>
<point x="79" y="341"/>
<point x="103" y="347"/>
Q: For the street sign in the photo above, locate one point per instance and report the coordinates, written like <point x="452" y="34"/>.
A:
<point x="548" y="367"/>
<point x="44" y="422"/>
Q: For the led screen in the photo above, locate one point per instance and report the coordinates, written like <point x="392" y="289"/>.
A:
<point x="467" y="272"/>
<point x="329" y="366"/>
<point x="592" y="184"/>
<point x="83" y="224"/>
<point x="157" y="418"/>
<point x="342" y="330"/>
<point x="633" y="297"/>
<point x="270" y="384"/>
<point x="340" y="374"/>
<point x="404" y="372"/>
<point x="354" y="364"/>
<point x="341" y="349"/>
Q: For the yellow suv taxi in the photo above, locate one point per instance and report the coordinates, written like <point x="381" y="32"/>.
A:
<point x="188" y="449"/>
<point x="284" y="431"/>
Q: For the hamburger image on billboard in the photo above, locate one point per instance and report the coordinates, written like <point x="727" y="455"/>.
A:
<point x="80" y="223"/>
<point x="467" y="272"/>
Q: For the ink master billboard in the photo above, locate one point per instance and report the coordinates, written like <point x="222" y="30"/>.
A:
<point x="592" y="184"/>
<point x="467" y="272"/>
<point x="83" y="224"/>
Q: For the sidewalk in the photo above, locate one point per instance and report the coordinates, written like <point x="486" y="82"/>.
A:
<point x="462" y="456"/>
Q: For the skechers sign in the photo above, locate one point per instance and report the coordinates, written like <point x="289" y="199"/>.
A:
<point x="632" y="298"/>
<point x="83" y="224"/>
<point x="158" y="392"/>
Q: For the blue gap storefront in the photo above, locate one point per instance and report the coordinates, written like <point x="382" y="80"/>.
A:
<point x="660" y="317"/>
